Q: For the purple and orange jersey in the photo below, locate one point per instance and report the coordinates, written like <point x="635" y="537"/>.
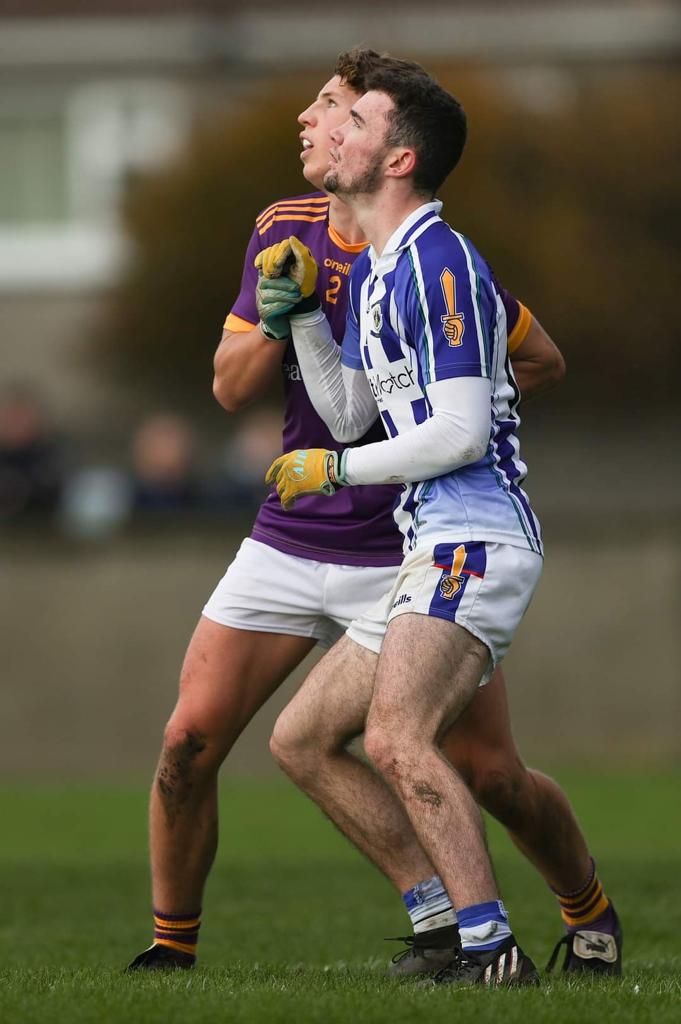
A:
<point x="356" y="525"/>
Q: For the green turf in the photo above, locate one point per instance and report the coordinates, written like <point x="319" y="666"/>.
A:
<point x="294" y="920"/>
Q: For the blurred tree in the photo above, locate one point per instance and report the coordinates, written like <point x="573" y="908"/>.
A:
<point x="577" y="204"/>
<point x="580" y="210"/>
<point x="188" y="226"/>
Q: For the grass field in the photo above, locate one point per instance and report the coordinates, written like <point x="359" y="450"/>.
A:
<point x="294" y="920"/>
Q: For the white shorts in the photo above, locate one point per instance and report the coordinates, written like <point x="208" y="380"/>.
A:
<point x="267" y="591"/>
<point x="483" y="586"/>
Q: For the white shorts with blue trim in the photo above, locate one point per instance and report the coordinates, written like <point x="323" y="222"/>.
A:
<point x="483" y="586"/>
<point x="268" y="591"/>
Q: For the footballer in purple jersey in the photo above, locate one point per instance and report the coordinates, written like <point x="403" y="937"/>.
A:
<point x="296" y="582"/>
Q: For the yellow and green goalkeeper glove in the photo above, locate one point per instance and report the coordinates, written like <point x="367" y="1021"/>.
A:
<point x="303" y="472"/>
<point x="292" y="259"/>
<point x="303" y="267"/>
<point x="274" y="298"/>
<point x="288" y="260"/>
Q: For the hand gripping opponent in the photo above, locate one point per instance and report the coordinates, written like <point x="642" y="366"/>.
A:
<point x="281" y="265"/>
<point x="291" y="259"/>
<point x="303" y="472"/>
<point x="274" y="298"/>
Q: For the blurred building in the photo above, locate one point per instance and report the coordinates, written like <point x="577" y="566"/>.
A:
<point x="97" y="92"/>
<point x="94" y="93"/>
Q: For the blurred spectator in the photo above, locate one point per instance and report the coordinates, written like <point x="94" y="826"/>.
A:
<point x="162" y="480"/>
<point x="164" y="471"/>
<point x="251" y="449"/>
<point x="165" y="482"/>
<point x="32" y="458"/>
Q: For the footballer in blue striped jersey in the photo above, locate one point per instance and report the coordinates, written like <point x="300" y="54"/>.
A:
<point x="428" y="309"/>
<point x="426" y="347"/>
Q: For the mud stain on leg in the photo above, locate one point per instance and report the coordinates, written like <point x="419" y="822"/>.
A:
<point x="174" y="773"/>
<point x="425" y="794"/>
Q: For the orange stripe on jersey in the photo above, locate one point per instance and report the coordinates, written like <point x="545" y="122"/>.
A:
<point x="283" y="214"/>
<point x="291" y="204"/>
<point x="293" y="218"/>
<point x="342" y="244"/>
<point x="519" y="332"/>
<point x="235" y="323"/>
<point x="294" y="210"/>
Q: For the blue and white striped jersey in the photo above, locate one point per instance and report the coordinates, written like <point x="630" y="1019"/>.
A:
<point x="427" y="309"/>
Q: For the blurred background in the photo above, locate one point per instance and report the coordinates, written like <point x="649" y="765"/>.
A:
<point x="138" y="141"/>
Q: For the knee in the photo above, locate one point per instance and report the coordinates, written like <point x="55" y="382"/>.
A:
<point x="185" y="749"/>
<point x="385" y="748"/>
<point x="295" y="746"/>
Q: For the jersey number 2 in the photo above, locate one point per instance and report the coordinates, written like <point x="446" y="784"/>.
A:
<point x="335" y="282"/>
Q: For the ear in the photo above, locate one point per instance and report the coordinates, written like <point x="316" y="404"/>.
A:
<point x="401" y="163"/>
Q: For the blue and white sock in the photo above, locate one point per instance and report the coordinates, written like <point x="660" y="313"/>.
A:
<point x="483" y="926"/>
<point x="429" y="906"/>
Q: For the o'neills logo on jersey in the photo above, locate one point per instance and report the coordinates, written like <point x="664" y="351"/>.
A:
<point x="342" y="268"/>
<point x="396" y="381"/>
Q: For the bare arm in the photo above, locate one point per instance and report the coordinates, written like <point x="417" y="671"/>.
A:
<point x="245" y="365"/>
<point x="537" y="363"/>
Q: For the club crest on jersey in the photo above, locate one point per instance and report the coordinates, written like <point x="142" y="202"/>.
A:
<point x="451" y="584"/>
<point x="377" y="317"/>
<point x="452" y="322"/>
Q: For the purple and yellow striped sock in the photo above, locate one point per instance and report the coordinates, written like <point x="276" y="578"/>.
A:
<point x="584" y="906"/>
<point x="178" y="931"/>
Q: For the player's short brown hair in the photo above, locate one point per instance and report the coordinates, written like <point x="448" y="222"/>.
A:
<point x="426" y="117"/>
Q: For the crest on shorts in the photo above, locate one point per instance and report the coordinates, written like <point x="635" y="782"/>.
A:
<point x="377" y="317"/>
<point x="452" y="322"/>
<point x="451" y="584"/>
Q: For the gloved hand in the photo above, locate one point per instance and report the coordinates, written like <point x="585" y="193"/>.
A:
<point x="292" y="260"/>
<point x="303" y="267"/>
<point x="303" y="472"/>
<point x="289" y="258"/>
<point x="274" y="298"/>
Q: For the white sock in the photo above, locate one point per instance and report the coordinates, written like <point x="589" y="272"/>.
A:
<point x="429" y="906"/>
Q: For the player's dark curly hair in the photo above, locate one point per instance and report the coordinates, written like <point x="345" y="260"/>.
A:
<point x="425" y="117"/>
<point x="354" y="66"/>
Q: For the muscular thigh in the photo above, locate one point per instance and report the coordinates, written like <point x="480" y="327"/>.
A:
<point x="330" y="708"/>
<point x="428" y="671"/>
<point x="228" y="674"/>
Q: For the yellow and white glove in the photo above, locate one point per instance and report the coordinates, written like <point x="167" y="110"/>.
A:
<point x="303" y="472"/>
